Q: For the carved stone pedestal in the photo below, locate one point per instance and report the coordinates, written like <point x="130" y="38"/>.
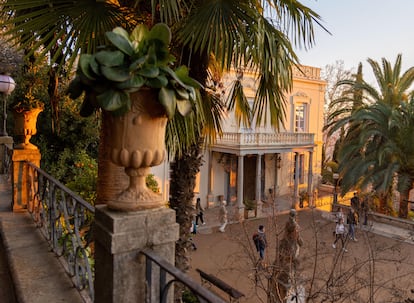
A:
<point x="22" y="185"/>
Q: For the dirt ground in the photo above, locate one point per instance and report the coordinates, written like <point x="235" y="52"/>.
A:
<point x="374" y="269"/>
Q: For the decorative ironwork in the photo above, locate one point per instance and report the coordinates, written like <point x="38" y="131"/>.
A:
<point x="65" y="220"/>
<point x="176" y="276"/>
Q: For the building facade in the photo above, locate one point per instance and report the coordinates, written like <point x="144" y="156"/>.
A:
<point x="260" y="163"/>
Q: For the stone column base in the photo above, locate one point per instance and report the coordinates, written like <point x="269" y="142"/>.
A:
<point x="119" y="237"/>
<point x="22" y="183"/>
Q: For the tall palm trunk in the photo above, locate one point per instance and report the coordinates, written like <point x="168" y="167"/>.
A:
<point x="182" y="181"/>
<point x="403" y="209"/>
<point x="183" y="174"/>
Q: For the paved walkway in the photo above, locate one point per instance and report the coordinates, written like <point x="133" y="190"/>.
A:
<point x="36" y="273"/>
<point x="30" y="273"/>
<point x="283" y="205"/>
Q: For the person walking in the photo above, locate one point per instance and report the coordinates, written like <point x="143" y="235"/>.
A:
<point x="339" y="215"/>
<point x="200" y="212"/>
<point x="352" y="219"/>
<point x="222" y="215"/>
<point x="260" y="241"/>
<point x="365" y="209"/>
<point x="340" y="232"/>
<point x="355" y="202"/>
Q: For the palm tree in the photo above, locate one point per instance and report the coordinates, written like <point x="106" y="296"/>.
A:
<point x="237" y="34"/>
<point x="373" y="153"/>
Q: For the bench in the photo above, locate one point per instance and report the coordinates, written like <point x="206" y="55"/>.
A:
<point x="233" y="293"/>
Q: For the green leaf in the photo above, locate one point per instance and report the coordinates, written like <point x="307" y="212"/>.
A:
<point x="173" y="75"/>
<point x="88" y="106"/>
<point x="133" y="84"/>
<point x="192" y="93"/>
<point x="112" y="100"/>
<point x="121" y="31"/>
<point x="84" y="64"/>
<point x="95" y="66"/>
<point x="182" y="94"/>
<point x="157" y="82"/>
<point x="168" y="100"/>
<point x="110" y="58"/>
<point x="117" y="74"/>
<point x="120" y="42"/>
<point x="149" y="72"/>
<point x="137" y="63"/>
<point x="184" y="107"/>
<point x="161" y="32"/>
<point x="140" y="33"/>
<point x="75" y="88"/>
<point x="183" y="74"/>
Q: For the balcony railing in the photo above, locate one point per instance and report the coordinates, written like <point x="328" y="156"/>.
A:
<point x="65" y="220"/>
<point x="203" y="295"/>
<point x="275" y="139"/>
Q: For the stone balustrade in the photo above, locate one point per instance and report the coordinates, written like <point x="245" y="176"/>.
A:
<point x="274" y="139"/>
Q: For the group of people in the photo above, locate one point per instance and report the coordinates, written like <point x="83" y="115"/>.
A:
<point x="352" y="220"/>
<point x="292" y="236"/>
<point x="199" y="216"/>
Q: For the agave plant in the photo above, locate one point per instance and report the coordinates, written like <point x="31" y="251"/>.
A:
<point x="129" y="63"/>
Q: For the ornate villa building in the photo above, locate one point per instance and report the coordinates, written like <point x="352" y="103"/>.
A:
<point x="259" y="163"/>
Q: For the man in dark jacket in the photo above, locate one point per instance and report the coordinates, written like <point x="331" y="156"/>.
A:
<point x="260" y="241"/>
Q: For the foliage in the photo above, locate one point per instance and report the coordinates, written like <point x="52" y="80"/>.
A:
<point x="249" y="204"/>
<point x="84" y="176"/>
<point x="376" y="149"/>
<point x="252" y="35"/>
<point x="31" y="87"/>
<point x="189" y="297"/>
<point x="304" y="195"/>
<point x="128" y="63"/>
<point x="152" y="183"/>
<point x="71" y="155"/>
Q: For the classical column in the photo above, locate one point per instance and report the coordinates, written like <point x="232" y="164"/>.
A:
<point x="258" y="177"/>
<point x="296" y="182"/>
<point x="119" y="267"/>
<point x="310" y="178"/>
<point x="258" y="192"/>
<point x="240" y="176"/>
<point x="210" y="196"/>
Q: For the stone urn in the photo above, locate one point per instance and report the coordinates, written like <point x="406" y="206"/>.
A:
<point x="137" y="142"/>
<point x="25" y="126"/>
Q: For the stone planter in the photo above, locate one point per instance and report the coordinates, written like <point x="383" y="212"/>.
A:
<point x="137" y="142"/>
<point x="250" y="213"/>
<point x="25" y="126"/>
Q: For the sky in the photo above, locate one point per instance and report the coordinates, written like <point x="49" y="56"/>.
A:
<point x="362" y="29"/>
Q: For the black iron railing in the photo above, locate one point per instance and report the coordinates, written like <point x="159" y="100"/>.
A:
<point x="65" y="220"/>
<point x="168" y="275"/>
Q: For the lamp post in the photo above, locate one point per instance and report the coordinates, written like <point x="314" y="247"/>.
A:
<point x="335" y="193"/>
<point x="7" y="85"/>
